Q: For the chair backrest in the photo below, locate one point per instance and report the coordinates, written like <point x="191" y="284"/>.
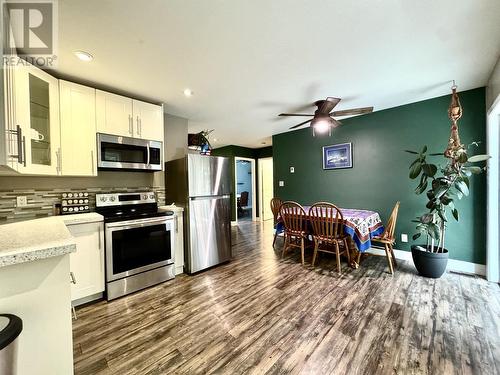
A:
<point x="326" y="220"/>
<point x="275" y="207"/>
<point x="294" y="217"/>
<point x="244" y="198"/>
<point x="391" y="223"/>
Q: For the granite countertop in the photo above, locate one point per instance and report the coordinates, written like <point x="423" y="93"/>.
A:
<point x="38" y="239"/>
<point x="171" y="207"/>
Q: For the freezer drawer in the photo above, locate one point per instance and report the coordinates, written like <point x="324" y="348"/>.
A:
<point x="209" y="232"/>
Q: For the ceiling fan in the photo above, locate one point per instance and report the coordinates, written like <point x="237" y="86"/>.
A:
<point x="323" y="118"/>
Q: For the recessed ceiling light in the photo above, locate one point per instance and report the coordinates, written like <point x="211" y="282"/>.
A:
<point x="188" y="92"/>
<point x="84" y="56"/>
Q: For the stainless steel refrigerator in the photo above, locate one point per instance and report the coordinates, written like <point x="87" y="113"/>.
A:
<point x="202" y="185"/>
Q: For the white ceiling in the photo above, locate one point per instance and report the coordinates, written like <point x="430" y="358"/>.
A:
<point x="247" y="61"/>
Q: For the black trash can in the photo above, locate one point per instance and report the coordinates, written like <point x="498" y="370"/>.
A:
<point x="10" y="328"/>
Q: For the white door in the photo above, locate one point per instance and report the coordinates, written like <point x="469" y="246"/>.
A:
<point x="114" y="114"/>
<point x="37" y="112"/>
<point x="266" y="168"/>
<point x="87" y="263"/>
<point x="148" y="121"/>
<point x="78" y="129"/>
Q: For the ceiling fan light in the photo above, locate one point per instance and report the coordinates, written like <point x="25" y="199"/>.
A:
<point x="322" y="125"/>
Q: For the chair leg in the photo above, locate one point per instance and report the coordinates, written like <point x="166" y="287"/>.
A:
<point x="315" y="254"/>
<point x="302" y="249"/>
<point x="337" y="251"/>
<point x="285" y="244"/>
<point x="393" y="256"/>
<point x="389" y="256"/>
<point x="275" y="236"/>
<point x="347" y="250"/>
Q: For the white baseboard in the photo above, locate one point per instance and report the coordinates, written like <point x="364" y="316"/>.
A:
<point x="453" y="264"/>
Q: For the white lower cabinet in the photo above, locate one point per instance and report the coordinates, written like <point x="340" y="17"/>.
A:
<point x="179" y="241"/>
<point x="87" y="263"/>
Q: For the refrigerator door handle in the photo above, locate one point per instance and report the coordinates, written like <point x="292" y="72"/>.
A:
<point x="209" y="197"/>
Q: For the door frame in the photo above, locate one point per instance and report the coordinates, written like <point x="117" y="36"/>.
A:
<point x="252" y="163"/>
<point x="493" y="179"/>
<point x="260" y="187"/>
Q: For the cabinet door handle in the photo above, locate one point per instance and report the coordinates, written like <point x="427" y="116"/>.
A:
<point x="130" y="125"/>
<point x="19" y="134"/>
<point x="139" y="126"/>
<point x="58" y="160"/>
<point x="99" y="234"/>
<point x="24" y="150"/>
<point x="72" y="277"/>
<point x="92" y="161"/>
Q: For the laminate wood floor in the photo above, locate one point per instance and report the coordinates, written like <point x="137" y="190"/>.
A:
<point x="261" y="314"/>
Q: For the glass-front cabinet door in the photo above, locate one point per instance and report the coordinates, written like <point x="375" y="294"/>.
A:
<point x="37" y="112"/>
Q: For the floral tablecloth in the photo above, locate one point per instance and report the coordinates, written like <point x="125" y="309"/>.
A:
<point x="361" y="225"/>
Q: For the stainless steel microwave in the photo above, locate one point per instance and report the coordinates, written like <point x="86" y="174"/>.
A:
<point x="117" y="152"/>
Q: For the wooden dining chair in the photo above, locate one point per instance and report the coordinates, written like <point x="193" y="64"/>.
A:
<point x="387" y="238"/>
<point x="294" y="218"/>
<point x="275" y="209"/>
<point x="328" y="231"/>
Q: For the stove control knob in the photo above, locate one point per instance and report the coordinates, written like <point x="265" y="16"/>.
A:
<point x="144" y="197"/>
<point x="103" y="199"/>
<point x="151" y="196"/>
<point x="112" y="199"/>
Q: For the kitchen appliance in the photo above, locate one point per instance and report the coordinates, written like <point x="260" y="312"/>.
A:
<point x="117" y="152"/>
<point x="202" y="185"/>
<point x="139" y="242"/>
<point x="74" y="202"/>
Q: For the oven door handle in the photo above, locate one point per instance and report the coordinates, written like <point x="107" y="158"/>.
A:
<point x="139" y="223"/>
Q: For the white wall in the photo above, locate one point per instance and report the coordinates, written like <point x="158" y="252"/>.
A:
<point x="493" y="88"/>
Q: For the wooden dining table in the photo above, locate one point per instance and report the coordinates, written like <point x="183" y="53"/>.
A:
<point x="360" y="226"/>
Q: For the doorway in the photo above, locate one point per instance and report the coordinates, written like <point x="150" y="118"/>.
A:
<point x="245" y="189"/>
<point x="493" y="178"/>
<point x="265" y="188"/>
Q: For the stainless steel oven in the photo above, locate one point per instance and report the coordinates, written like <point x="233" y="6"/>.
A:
<point x="138" y="253"/>
<point x="117" y="152"/>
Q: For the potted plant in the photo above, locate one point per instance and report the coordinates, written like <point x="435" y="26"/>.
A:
<point x="443" y="186"/>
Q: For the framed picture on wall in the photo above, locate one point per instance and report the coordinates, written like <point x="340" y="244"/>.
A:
<point x="337" y="156"/>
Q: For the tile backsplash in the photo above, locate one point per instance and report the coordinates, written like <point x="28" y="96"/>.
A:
<point x="41" y="201"/>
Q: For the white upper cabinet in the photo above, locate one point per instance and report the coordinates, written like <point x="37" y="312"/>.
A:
<point x="78" y="129"/>
<point x="114" y="114"/>
<point x="36" y="111"/>
<point x="148" y="120"/>
<point x="13" y="132"/>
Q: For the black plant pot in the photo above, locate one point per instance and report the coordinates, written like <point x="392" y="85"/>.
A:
<point x="429" y="264"/>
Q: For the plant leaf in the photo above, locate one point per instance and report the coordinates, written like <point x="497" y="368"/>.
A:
<point x="416" y="235"/>
<point x="429" y="169"/>
<point x="411" y="152"/>
<point x="462" y="187"/>
<point x="437" y="154"/>
<point x="473" y="169"/>
<point x="424" y="150"/>
<point x="422" y="187"/>
<point x="415" y="170"/>
<point x="478" y="158"/>
<point x="454" y="212"/>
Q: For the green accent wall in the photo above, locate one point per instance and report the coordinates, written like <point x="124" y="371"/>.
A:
<point x="243" y="152"/>
<point x="379" y="176"/>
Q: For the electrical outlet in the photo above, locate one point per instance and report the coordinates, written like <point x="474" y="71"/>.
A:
<point x="22" y="201"/>
<point x="404" y="237"/>
<point x="292" y="169"/>
<point x="281" y="183"/>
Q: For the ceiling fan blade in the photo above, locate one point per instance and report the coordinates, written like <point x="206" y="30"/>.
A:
<point x="353" y="111"/>
<point x="302" y="123"/>
<point x="328" y="105"/>
<point x="335" y="123"/>
<point x="295" y="114"/>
